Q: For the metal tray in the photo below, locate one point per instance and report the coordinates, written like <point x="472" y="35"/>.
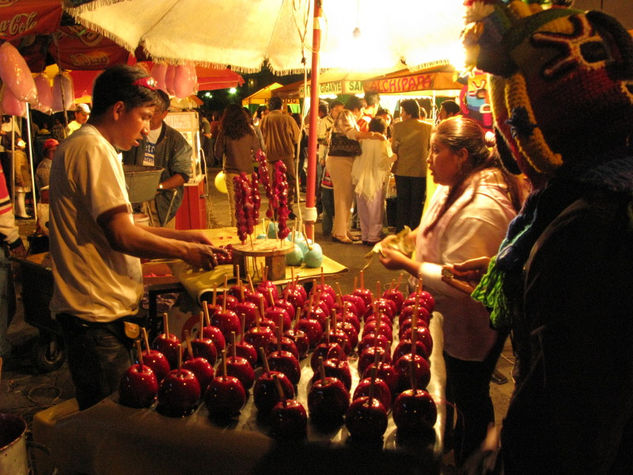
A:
<point x="142" y="182"/>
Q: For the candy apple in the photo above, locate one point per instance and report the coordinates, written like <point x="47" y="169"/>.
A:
<point x="265" y="392"/>
<point x="247" y="310"/>
<point x="325" y="350"/>
<point x="283" y="303"/>
<point x="178" y="394"/>
<point x="265" y="286"/>
<point x="366" y="418"/>
<point x="421" y="298"/>
<point x="168" y="345"/>
<point x="422" y="334"/>
<point x="328" y="401"/>
<point x="371" y="354"/>
<point x="301" y="341"/>
<point x="259" y="337"/>
<point x="286" y="363"/>
<point x="295" y="294"/>
<point x="338" y="369"/>
<point x="374" y="339"/>
<point x="326" y="299"/>
<point x="288" y="420"/>
<point x="381" y="306"/>
<point x="381" y="391"/>
<point x="245" y="350"/>
<point x="231" y="301"/>
<point x="287" y="344"/>
<point x="350" y="331"/>
<point x="386" y="372"/>
<point x="352" y="319"/>
<point x="364" y="294"/>
<point x="358" y="303"/>
<point x="312" y="329"/>
<point x="157" y="362"/>
<point x="379" y="317"/>
<point x="408" y="311"/>
<point x="275" y="313"/>
<point x="138" y="387"/>
<point x="414" y="410"/>
<point x="376" y="326"/>
<point x="227" y="321"/>
<point x="202" y="369"/>
<point x="340" y="337"/>
<point x="204" y="347"/>
<point x="405" y="346"/>
<point x="212" y="308"/>
<point x="225" y="396"/>
<point x="215" y="335"/>
<point x="324" y="289"/>
<point x="421" y="371"/>
<point x="396" y="296"/>
<point x="240" y="368"/>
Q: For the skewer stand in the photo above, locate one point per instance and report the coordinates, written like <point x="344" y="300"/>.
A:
<point x="272" y="250"/>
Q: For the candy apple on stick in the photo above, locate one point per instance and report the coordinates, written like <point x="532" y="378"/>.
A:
<point x="226" y="320"/>
<point x="414" y="410"/>
<point x="299" y="337"/>
<point x="245" y="349"/>
<point x="255" y="295"/>
<point x="362" y="292"/>
<point x="225" y="395"/>
<point x="328" y="400"/>
<point x="259" y="336"/>
<point x="239" y="367"/>
<point x="198" y="365"/>
<point x="288" y="418"/>
<point x="284" y="361"/>
<point x="213" y="306"/>
<point x="325" y="350"/>
<point x="386" y="372"/>
<point x="139" y="386"/>
<point x="380" y="389"/>
<point x="204" y="347"/>
<point x="211" y="332"/>
<point x="366" y="418"/>
<point x="265" y="285"/>
<point x="338" y="369"/>
<point x="393" y="293"/>
<point x="179" y="392"/>
<point x="275" y="313"/>
<point x="154" y="359"/>
<point x="374" y="339"/>
<point x="413" y="367"/>
<point x="265" y="394"/>
<point x="167" y="343"/>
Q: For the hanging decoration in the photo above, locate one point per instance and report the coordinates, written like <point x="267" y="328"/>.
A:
<point x="63" y="92"/>
<point x="11" y="105"/>
<point x="15" y="73"/>
<point x="44" y="94"/>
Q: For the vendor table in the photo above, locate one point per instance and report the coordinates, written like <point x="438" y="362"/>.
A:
<point x="110" y="439"/>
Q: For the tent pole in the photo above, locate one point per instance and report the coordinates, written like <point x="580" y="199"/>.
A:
<point x="311" y="213"/>
<point x="30" y="142"/>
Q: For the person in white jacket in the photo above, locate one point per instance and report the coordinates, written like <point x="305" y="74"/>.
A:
<point x="370" y="172"/>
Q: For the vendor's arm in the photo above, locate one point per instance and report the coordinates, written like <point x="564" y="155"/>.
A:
<point x="179" y="164"/>
<point x="173" y="181"/>
<point x="124" y="236"/>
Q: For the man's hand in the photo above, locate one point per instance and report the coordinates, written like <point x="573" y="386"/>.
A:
<point x="201" y="256"/>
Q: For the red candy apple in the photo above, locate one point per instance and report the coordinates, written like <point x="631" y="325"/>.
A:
<point x="414" y="411"/>
<point x="380" y="391"/>
<point x="225" y="395"/>
<point x="138" y="387"/>
<point x="366" y="419"/>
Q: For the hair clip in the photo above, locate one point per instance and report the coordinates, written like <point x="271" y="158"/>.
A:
<point x="148" y="81"/>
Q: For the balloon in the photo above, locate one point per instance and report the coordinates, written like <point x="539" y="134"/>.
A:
<point x="185" y="80"/>
<point x="11" y="105"/>
<point x="63" y="92"/>
<point x="15" y="73"/>
<point x="220" y="183"/>
<point x="44" y="94"/>
<point x="169" y="79"/>
<point x="159" y="70"/>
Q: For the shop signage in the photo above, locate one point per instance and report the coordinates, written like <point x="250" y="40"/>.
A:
<point x="28" y="17"/>
<point x="416" y="82"/>
<point x="338" y="87"/>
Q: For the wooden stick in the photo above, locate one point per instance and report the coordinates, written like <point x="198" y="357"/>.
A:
<point x="166" y="324"/>
<point x="339" y="294"/>
<point x="321" y="368"/>
<point x="270" y="296"/>
<point x="145" y="338"/>
<point x="262" y="355"/>
<point x="378" y="289"/>
<point x="280" y="332"/>
<point x="412" y="378"/>
<point x="207" y="318"/>
<point x="280" y="390"/>
<point x="233" y="345"/>
<point x="200" y="334"/>
<point x="303" y="231"/>
<point x="297" y="317"/>
<point x="214" y="299"/>
<point x="322" y="278"/>
<point x="250" y="283"/>
<point x="224" y="362"/>
<point x="137" y="343"/>
<point x="362" y="280"/>
<point x="372" y="383"/>
<point x="242" y="326"/>
<point x="224" y="299"/>
<point x="179" y="357"/>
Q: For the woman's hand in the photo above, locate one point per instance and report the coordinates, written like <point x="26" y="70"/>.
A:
<point x="395" y="260"/>
<point x="466" y="275"/>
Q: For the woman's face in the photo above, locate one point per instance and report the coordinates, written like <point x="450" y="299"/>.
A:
<point x="444" y="163"/>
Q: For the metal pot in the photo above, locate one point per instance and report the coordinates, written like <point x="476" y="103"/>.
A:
<point x="13" y="454"/>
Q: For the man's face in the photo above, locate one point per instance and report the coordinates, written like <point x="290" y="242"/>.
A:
<point x="132" y="125"/>
<point x="336" y="110"/>
<point x="157" y="118"/>
<point x="50" y="152"/>
<point x="81" y="117"/>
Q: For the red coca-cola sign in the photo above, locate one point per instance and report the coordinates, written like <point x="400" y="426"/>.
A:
<point x="28" y="17"/>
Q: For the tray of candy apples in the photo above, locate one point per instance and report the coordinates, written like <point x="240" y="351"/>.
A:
<point x="322" y="365"/>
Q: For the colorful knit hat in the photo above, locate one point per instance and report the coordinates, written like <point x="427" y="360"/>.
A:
<point x="561" y="85"/>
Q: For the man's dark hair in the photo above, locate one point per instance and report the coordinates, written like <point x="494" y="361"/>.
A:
<point x="116" y="84"/>
<point x="372" y="98"/>
<point x="354" y="103"/>
<point x="335" y="103"/>
<point x="259" y="113"/>
<point x="323" y="107"/>
<point x="274" y="103"/>
<point x="378" y="124"/>
<point x="162" y="100"/>
<point x="411" y="107"/>
<point x="450" y="107"/>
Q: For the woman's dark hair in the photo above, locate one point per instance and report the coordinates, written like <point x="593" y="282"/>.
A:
<point x="117" y="84"/>
<point x="458" y="133"/>
<point x="411" y="107"/>
<point x="259" y="113"/>
<point x="450" y="107"/>
<point x="354" y="103"/>
<point x="378" y="124"/>
<point x="234" y="122"/>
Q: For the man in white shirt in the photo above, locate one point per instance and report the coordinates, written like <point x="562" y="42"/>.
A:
<point x="95" y="245"/>
<point x="82" y="112"/>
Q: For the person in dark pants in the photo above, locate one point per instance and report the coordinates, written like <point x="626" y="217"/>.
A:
<point x="95" y="244"/>
<point x="410" y="142"/>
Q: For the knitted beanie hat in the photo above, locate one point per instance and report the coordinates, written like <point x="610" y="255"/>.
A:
<point x="561" y="84"/>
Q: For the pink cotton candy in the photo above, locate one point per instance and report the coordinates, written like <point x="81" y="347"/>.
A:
<point x="169" y="80"/>
<point x="63" y="92"/>
<point x="11" y="105"/>
<point x="185" y="80"/>
<point x="16" y="74"/>
<point x="44" y="94"/>
<point x="159" y="71"/>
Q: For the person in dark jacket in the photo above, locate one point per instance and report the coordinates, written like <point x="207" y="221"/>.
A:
<point x="164" y="147"/>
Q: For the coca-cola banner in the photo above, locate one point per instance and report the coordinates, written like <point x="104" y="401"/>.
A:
<point x="19" y="18"/>
<point x="79" y="48"/>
